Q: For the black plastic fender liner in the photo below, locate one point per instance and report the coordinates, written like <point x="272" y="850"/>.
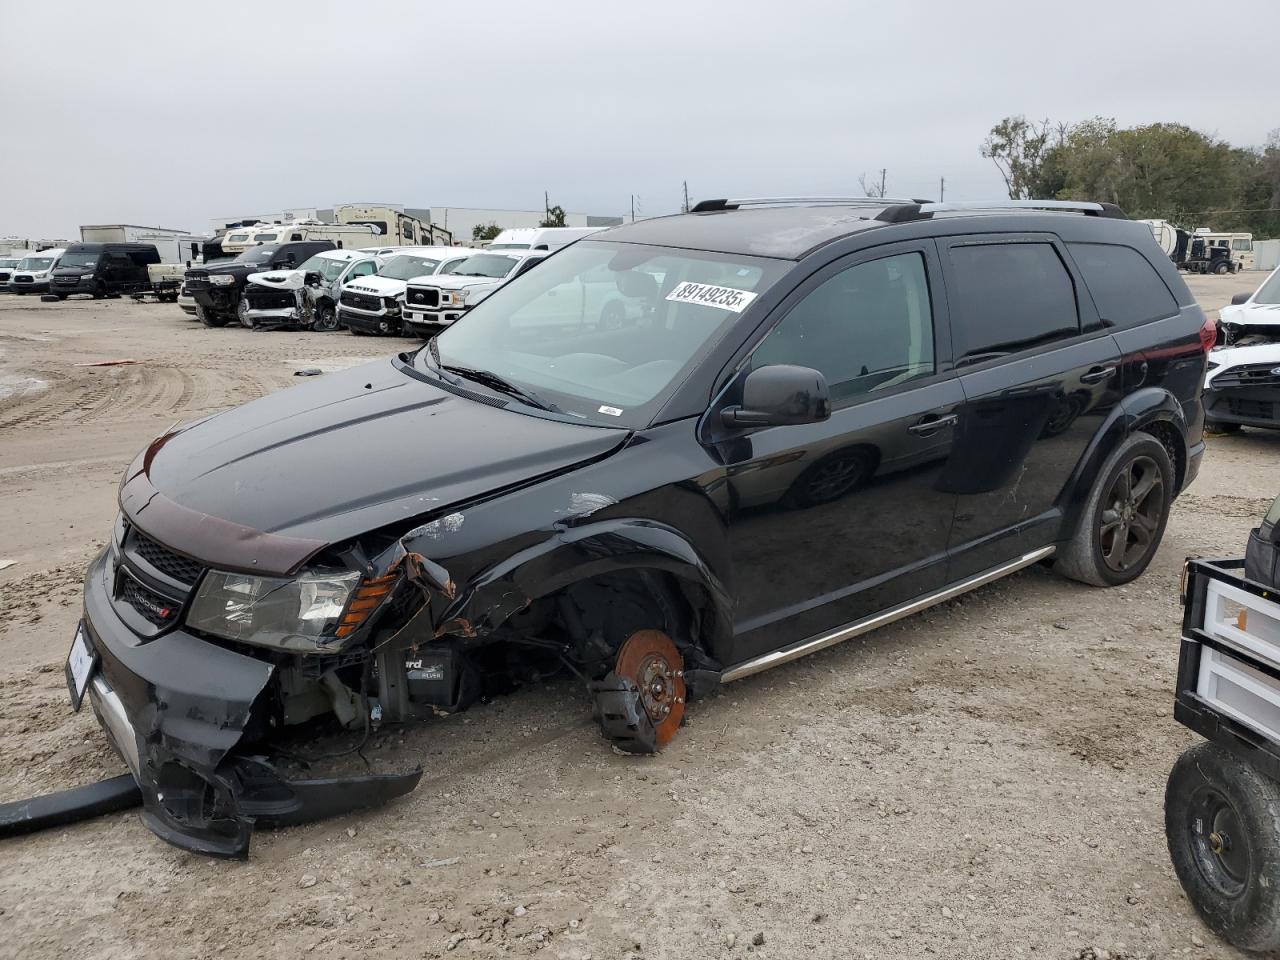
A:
<point x="69" y="806"/>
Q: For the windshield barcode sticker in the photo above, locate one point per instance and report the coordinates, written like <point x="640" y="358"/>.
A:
<point x="611" y="411"/>
<point x="725" y="298"/>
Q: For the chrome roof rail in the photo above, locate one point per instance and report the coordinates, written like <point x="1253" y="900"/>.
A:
<point x="708" y="205"/>
<point x="907" y="212"/>
<point x="1082" y="206"/>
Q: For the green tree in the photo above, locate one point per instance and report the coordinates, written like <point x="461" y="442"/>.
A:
<point x="554" y="218"/>
<point x="1164" y="170"/>
<point x="1019" y="148"/>
<point x="485" y="231"/>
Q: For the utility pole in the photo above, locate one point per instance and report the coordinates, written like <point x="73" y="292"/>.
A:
<point x="882" y="175"/>
<point x="546" y="204"/>
<point x="686" y="197"/>
<point x="942" y="189"/>
<point x="633" y="208"/>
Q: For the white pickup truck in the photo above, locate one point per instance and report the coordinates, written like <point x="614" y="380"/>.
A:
<point x="431" y="303"/>
<point x="374" y="304"/>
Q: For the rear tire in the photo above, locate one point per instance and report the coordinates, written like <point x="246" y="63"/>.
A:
<point x="1222" y="268"/>
<point x="1124" y="518"/>
<point x="1222" y="824"/>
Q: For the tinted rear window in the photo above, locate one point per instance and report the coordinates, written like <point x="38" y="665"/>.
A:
<point x="1008" y="297"/>
<point x="1125" y="286"/>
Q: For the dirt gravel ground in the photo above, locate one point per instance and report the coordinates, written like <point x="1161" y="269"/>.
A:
<point x="984" y="780"/>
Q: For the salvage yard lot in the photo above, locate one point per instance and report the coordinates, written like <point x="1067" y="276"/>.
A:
<point x="982" y="780"/>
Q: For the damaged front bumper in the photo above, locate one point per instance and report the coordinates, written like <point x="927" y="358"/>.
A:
<point x="183" y="714"/>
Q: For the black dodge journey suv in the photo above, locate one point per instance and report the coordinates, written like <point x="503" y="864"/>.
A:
<point x="677" y="453"/>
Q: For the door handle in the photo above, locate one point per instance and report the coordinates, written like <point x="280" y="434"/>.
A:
<point x="932" y="424"/>
<point x="1098" y="374"/>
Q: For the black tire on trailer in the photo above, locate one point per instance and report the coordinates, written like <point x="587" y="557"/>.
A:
<point x="1222" y="823"/>
<point x="208" y="318"/>
<point x="1124" y="518"/>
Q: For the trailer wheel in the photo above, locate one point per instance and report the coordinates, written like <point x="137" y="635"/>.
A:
<point x="1222" y="821"/>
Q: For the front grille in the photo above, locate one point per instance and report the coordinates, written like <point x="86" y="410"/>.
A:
<point x="156" y="610"/>
<point x="180" y="568"/>
<point x="270" y="299"/>
<point x="424" y="296"/>
<point x="360" y="301"/>
<point x="66" y="281"/>
<point x="4" y="276"/>
<point x="1252" y="409"/>
<point x="24" y="280"/>
<point x="1249" y="375"/>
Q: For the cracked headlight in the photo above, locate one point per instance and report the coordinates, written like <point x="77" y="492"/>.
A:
<point x="300" y="614"/>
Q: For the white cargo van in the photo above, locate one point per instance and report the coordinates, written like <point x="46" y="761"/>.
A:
<point x="539" y="238"/>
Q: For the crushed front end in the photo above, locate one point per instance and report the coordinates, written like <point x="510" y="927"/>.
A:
<point x="199" y="717"/>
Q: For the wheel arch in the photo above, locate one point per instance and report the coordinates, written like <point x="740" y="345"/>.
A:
<point x="573" y="556"/>
<point x="1152" y="410"/>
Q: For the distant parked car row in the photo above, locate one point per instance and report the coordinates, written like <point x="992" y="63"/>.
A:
<point x="310" y="284"/>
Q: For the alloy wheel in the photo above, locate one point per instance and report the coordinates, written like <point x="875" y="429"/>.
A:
<point x="1134" y="508"/>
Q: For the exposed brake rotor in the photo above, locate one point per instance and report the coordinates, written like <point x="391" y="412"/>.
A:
<point x="649" y="660"/>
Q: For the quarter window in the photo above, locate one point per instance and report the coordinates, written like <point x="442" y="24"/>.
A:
<point x="868" y="328"/>
<point x="1125" y="286"/>
<point x="1007" y="297"/>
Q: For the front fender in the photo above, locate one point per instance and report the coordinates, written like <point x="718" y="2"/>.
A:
<point x="572" y="554"/>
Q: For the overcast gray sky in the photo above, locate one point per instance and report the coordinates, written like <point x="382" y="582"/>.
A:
<point x="169" y="113"/>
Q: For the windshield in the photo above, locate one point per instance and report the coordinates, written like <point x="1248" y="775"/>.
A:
<point x="7" y="262"/>
<point x="256" y="255"/>
<point x="405" y="267"/>
<point x="36" y="263"/>
<point x="508" y="246"/>
<point x="327" y="267"/>
<point x="1269" y="292"/>
<point x="485" y="265"/>
<point x="78" y="260"/>
<point x="603" y="329"/>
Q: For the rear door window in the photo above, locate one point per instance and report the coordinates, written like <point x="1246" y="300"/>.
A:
<point x="1125" y="287"/>
<point x="1008" y="297"/>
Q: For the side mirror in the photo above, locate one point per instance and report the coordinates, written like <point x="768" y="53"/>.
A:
<point x="778" y="395"/>
<point x="1240" y="298"/>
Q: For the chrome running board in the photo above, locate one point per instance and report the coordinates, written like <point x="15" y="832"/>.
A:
<point x="858" y="627"/>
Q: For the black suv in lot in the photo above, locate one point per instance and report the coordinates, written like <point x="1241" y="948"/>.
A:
<point x="818" y="417"/>
<point x="219" y="290"/>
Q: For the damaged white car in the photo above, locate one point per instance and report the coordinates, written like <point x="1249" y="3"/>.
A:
<point x="307" y="297"/>
<point x="1252" y="317"/>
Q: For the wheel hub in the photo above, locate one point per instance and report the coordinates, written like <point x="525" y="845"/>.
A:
<point x="649" y="659"/>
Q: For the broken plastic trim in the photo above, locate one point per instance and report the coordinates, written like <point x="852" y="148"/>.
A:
<point x="69" y="806"/>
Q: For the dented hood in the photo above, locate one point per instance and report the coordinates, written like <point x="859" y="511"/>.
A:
<point x="280" y="279"/>
<point x="336" y="457"/>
